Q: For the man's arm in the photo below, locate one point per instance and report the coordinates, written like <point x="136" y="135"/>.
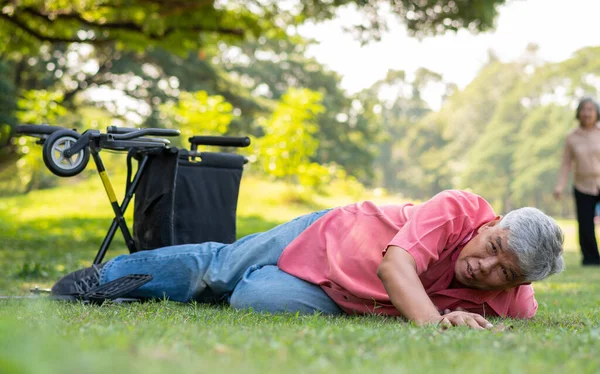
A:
<point x="398" y="273"/>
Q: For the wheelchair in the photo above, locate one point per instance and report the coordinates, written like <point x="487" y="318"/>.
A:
<point x="181" y="195"/>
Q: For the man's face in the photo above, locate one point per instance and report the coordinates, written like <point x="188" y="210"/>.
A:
<point x="486" y="262"/>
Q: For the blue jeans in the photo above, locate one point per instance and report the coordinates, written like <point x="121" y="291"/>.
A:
<point x="243" y="273"/>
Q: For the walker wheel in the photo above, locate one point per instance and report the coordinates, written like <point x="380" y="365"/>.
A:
<point x="53" y="156"/>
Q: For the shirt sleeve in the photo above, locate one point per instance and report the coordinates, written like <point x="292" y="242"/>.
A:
<point x="441" y="223"/>
<point x="523" y="305"/>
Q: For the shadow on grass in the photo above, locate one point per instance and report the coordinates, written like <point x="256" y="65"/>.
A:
<point x="39" y="252"/>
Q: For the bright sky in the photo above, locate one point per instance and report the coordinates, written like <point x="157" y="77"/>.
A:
<point x="558" y="27"/>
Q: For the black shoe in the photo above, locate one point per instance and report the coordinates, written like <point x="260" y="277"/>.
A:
<point x="78" y="282"/>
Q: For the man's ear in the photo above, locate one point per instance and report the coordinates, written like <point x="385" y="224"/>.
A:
<point x="491" y="223"/>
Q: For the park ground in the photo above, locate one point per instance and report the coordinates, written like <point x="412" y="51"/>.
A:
<point x="46" y="234"/>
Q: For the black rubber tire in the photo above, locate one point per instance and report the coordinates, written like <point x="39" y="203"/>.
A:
<point x="36" y="129"/>
<point x="52" y="151"/>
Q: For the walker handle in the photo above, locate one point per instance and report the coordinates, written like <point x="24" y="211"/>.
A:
<point x="223" y="141"/>
<point x="143" y="132"/>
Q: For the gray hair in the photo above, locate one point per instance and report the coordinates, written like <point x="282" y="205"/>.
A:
<point x="537" y="241"/>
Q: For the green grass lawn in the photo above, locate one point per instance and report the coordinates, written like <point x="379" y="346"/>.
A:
<point x="48" y="233"/>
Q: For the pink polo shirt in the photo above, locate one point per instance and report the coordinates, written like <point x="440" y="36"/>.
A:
<point x="343" y="249"/>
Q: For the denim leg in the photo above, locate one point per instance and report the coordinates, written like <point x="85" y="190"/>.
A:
<point x="268" y="289"/>
<point x="207" y="271"/>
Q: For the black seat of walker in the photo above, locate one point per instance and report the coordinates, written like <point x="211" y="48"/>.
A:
<point x="116" y="288"/>
<point x="187" y="198"/>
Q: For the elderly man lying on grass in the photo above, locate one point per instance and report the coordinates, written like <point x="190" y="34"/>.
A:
<point x="451" y="253"/>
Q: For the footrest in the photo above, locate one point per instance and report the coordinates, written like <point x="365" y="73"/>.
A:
<point x="117" y="288"/>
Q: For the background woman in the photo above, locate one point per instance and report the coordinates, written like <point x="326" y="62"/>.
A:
<point x="582" y="149"/>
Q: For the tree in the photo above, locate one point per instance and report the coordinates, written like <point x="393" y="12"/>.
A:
<point x="285" y="149"/>
<point x="179" y="25"/>
<point x="538" y="153"/>
<point x="269" y="68"/>
<point x="175" y="25"/>
<point x="28" y="173"/>
<point x="405" y="160"/>
<point x="198" y="113"/>
<point x="7" y="108"/>
<point x="508" y="126"/>
<point x="151" y="50"/>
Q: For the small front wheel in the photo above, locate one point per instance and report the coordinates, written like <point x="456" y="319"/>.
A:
<point x="56" y="161"/>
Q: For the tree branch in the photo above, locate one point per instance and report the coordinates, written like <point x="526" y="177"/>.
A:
<point x="47" y="38"/>
<point x="126" y="25"/>
<point x="68" y="96"/>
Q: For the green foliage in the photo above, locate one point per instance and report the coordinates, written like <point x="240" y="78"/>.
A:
<point x="285" y="149"/>
<point x="7" y="113"/>
<point x="131" y="57"/>
<point x="426" y="17"/>
<point x="502" y="136"/>
<point x="268" y="68"/>
<point x="180" y="26"/>
<point x="198" y="113"/>
<point x="176" y="25"/>
<point x="516" y="159"/>
<point x="539" y="147"/>
<point x="40" y="107"/>
<point x="29" y="172"/>
<point x="134" y="59"/>
<point x="406" y="159"/>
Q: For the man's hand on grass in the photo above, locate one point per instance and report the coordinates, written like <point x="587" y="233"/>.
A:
<point x="461" y="317"/>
